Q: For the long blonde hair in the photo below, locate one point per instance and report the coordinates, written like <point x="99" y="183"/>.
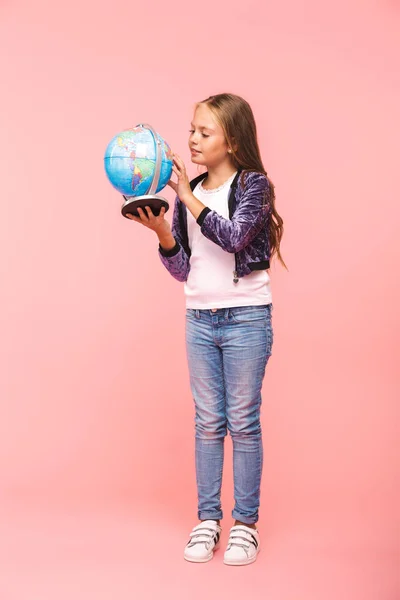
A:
<point x="236" y="118"/>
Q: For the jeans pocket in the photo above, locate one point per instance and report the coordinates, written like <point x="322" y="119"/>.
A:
<point x="249" y="314"/>
<point x="191" y="314"/>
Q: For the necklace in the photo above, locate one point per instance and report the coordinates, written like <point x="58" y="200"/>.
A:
<point x="218" y="188"/>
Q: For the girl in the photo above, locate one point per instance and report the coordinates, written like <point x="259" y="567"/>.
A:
<point x="225" y="229"/>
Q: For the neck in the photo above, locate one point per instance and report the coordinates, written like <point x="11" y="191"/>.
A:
<point x="216" y="176"/>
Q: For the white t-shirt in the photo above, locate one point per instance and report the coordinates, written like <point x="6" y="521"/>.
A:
<point x="210" y="281"/>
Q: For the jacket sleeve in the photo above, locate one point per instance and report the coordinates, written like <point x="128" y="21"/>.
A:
<point x="176" y="260"/>
<point x="248" y="220"/>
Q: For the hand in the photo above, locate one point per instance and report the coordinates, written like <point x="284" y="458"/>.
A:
<point x="158" y="224"/>
<point x="182" y="187"/>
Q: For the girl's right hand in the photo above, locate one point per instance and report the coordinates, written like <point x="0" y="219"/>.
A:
<point x="158" y="224"/>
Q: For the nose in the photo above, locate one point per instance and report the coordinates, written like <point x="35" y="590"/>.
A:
<point x="192" y="137"/>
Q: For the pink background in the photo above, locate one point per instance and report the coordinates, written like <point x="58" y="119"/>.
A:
<point x="96" y="421"/>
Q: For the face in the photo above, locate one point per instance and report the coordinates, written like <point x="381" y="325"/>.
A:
<point x="207" y="137"/>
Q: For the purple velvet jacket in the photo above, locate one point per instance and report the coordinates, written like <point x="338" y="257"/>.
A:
<point x="244" y="234"/>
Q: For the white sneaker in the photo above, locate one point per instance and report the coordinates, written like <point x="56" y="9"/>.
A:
<point x="204" y="539"/>
<point x="243" y="545"/>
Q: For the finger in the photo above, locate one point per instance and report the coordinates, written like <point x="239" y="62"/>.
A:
<point x="180" y="163"/>
<point x="172" y="185"/>
<point x="178" y="159"/>
<point x="142" y="215"/>
<point x="149" y="212"/>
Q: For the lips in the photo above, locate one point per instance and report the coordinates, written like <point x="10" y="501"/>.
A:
<point x="195" y="151"/>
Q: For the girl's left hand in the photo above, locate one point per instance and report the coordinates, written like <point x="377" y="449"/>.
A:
<point x="182" y="187"/>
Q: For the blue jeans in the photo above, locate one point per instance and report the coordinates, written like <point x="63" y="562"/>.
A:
<point x="227" y="353"/>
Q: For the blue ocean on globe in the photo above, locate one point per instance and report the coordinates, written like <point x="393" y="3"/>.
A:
<point x="130" y="159"/>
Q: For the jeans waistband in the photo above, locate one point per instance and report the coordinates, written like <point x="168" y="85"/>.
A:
<point x="225" y="311"/>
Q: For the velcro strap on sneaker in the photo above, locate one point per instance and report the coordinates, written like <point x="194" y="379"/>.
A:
<point x="242" y="534"/>
<point x="200" y="537"/>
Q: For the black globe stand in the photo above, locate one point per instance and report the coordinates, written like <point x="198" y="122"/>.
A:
<point x="132" y="203"/>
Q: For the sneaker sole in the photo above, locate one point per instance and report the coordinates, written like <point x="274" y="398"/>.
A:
<point x="236" y="563"/>
<point x="203" y="560"/>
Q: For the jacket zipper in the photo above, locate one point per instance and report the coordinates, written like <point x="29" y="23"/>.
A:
<point x="235" y="275"/>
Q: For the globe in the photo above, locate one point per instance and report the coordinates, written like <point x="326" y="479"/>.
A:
<point x="130" y="160"/>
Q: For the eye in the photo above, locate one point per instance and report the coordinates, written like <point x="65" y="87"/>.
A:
<point x="203" y="134"/>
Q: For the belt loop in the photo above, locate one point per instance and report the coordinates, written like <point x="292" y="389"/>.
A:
<point x="226" y="314"/>
<point x="197" y="313"/>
